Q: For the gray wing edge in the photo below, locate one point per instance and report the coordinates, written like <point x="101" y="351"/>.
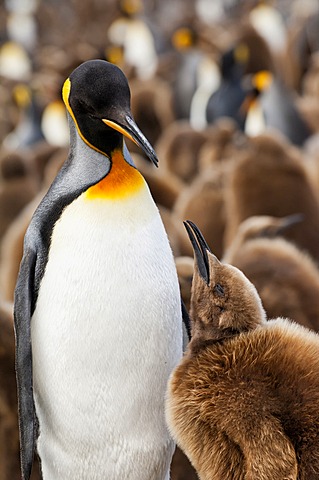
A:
<point x="22" y="326"/>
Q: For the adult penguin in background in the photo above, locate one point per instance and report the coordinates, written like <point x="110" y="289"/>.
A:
<point x="271" y="104"/>
<point x="227" y="100"/>
<point x="195" y="70"/>
<point x="28" y="131"/>
<point x="98" y="317"/>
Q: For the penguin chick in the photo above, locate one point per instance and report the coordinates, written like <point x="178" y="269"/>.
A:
<point x="203" y="200"/>
<point x="9" y="437"/>
<point x="165" y="187"/>
<point x="286" y="278"/>
<point x="11" y="250"/>
<point x="243" y="402"/>
<point x="271" y="179"/>
<point x="18" y="186"/>
<point x="152" y="106"/>
<point x="97" y="308"/>
<point x="178" y="148"/>
<point x="9" y="434"/>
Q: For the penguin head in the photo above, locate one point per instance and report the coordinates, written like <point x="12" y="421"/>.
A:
<point x="256" y="85"/>
<point x="234" y="61"/>
<point x="262" y="80"/>
<point x="97" y="97"/>
<point x="224" y="302"/>
<point x="22" y="96"/>
<point x="266" y="226"/>
<point x="184" y="38"/>
<point x="130" y="8"/>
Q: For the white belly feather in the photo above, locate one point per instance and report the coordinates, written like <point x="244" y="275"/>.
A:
<point x="106" y="334"/>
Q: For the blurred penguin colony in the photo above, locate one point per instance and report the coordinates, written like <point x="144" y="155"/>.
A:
<point x="228" y="93"/>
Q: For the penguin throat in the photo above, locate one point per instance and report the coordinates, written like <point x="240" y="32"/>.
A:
<point x="122" y="181"/>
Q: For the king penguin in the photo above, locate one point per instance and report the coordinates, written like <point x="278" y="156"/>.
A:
<point x="98" y="319"/>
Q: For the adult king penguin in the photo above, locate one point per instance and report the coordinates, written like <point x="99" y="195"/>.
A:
<point x="97" y="306"/>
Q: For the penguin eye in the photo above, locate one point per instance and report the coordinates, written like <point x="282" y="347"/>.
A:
<point x="218" y="289"/>
<point x="87" y="108"/>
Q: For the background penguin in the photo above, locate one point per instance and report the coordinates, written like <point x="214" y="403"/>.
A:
<point x="15" y="62"/>
<point x="278" y="107"/>
<point x="9" y="441"/>
<point x="179" y="146"/>
<point x="302" y="45"/>
<point x="19" y="183"/>
<point x="243" y="402"/>
<point x="140" y="39"/>
<point x="204" y="201"/>
<point x="152" y="106"/>
<point x="97" y="297"/>
<point x="54" y="125"/>
<point x="227" y="100"/>
<point x="11" y="250"/>
<point x="28" y="130"/>
<point x="165" y="188"/>
<point x="271" y="179"/>
<point x="286" y="278"/>
<point x="196" y="71"/>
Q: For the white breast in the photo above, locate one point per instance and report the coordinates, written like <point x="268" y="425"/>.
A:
<point x="106" y="334"/>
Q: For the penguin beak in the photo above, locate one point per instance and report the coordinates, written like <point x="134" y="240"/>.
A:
<point x="200" y="248"/>
<point x="129" y="129"/>
<point x="289" y="221"/>
<point x="255" y="86"/>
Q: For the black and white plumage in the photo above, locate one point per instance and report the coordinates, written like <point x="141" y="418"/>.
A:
<point x="97" y="306"/>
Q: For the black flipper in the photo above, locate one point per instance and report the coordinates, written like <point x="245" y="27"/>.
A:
<point x="23" y="307"/>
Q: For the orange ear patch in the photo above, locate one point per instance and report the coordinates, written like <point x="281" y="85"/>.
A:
<point x="122" y="181"/>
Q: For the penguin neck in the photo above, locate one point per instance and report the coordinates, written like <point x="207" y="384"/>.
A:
<point x="122" y="181"/>
<point x="121" y="178"/>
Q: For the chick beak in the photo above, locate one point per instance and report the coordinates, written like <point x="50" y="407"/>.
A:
<point x="289" y="221"/>
<point x="200" y="248"/>
<point x="129" y="129"/>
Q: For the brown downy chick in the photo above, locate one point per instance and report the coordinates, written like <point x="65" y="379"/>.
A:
<point x="272" y="180"/>
<point x="11" y="249"/>
<point x="203" y="200"/>
<point x="286" y="278"/>
<point x="18" y="186"/>
<point x="243" y="402"/>
<point x="152" y="106"/>
<point x="178" y="148"/>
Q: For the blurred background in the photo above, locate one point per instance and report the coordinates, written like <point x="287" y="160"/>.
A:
<point x="227" y="91"/>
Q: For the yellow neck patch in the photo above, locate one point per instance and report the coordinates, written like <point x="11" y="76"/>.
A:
<point x="122" y="181"/>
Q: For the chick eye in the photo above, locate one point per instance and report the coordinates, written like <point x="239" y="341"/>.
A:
<point x="218" y="289"/>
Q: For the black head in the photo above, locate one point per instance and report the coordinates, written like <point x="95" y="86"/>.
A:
<point x="234" y="62"/>
<point x="223" y="301"/>
<point x="97" y="96"/>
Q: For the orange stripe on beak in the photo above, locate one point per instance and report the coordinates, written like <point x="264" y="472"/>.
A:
<point x="117" y="127"/>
